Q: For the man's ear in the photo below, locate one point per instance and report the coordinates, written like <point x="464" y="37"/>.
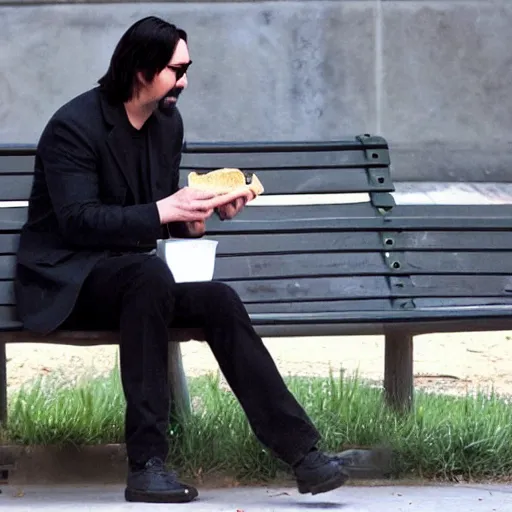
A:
<point x="139" y="77"/>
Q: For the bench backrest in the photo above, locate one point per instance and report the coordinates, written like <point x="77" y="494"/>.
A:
<point x="321" y="257"/>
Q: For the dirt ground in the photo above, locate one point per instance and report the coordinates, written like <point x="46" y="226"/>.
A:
<point x="446" y="363"/>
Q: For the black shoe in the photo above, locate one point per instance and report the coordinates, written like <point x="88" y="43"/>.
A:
<point x="318" y="472"/>
<point x="154" y="484"/>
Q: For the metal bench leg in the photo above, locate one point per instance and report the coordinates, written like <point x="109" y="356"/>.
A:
<point x="398" y="369"/>
<point x="178" y="387"/>
<point x="3" y="384"/>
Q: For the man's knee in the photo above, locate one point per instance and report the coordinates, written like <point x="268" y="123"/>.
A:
<point x="222" y="293"/>
<point x="152" y="282"/>
<point x="224" y="303"/>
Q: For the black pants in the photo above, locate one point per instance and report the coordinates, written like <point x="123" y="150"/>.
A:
<point x="137" y="294"/>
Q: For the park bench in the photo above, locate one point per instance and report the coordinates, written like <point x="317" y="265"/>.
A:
<point x="359" y="265"/>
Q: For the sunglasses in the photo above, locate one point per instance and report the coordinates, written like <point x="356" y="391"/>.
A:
<point x="180" y="70"/>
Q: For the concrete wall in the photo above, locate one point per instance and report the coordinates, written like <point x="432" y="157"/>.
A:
<point x="433" y="77"/>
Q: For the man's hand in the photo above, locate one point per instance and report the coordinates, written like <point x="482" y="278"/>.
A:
<point x="230" y="210"/>
<point x="190" y="204"/>
<point x="197" y="228"/>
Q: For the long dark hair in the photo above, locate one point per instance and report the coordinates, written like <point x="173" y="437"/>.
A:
<point x="147" y="46"/>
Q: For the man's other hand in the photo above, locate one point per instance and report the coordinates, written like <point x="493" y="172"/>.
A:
<point x="190" y="204"/>
<point x="230" y="210"/>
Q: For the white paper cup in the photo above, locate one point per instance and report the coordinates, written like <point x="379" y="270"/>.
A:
<point x="190" y="260"/>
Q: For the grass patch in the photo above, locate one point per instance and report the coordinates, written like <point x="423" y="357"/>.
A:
<point x="53" y="410"/>
<point x="444" y="437"/>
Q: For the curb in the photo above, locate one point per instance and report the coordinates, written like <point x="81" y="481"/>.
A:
<point x="107" y="464"/>
<point x="40" y="465"/>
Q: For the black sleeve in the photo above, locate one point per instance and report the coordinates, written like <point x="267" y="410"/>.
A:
<point x="71" y="171"/>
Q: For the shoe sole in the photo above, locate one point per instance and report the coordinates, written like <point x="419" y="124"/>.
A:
<point x="326" y="486"/>
<point x="134" y="495"/>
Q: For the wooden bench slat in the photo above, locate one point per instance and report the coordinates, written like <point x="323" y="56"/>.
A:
<point x="15" y="187"/>
<point x="320" y="306"/>
<point x="385" y="317"/>
<point x="9" y="243"/>
<point x="449" y="240"/>
<point x="354" y="217"/>
<point x="382" y="305"/>
<point x="290" y="290"/>
<point x="307" y="289"/>
<point x="331" y="288"/>
<point x="355" y="240"/>
<point x="271" y="266"/>
<point x="450" y="262"/>
<point x="298" y="266"/>
<point x="280" y="290"/>
<point x="300" y="225"/>
<point x="286" y="160"/>
<point x="259" y="218"/>
<point x="447" y="302"/>
<point x="279" y="243"/>
<point x="7" y="293"/>
<point x="16" y="164"/>
<point x="12" y="219"/>
<point x="231" y="268"/>
<point x="282" y="243"/>
<point x="450" y="286"/>
<point x="353" y="142"/>
<point x="7" y="266"/>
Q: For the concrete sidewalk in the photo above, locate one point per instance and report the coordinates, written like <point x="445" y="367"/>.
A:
<point x="446" y="498"/>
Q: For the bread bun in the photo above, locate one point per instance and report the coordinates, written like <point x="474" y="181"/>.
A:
<point x="225" y="180"/>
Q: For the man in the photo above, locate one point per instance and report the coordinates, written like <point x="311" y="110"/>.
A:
<point x="105" y="190"/>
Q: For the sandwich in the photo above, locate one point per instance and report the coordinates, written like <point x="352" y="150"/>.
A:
<point x="225" y="181"/>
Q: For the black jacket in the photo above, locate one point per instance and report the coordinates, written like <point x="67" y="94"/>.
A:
<point x="82" y="205"/>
